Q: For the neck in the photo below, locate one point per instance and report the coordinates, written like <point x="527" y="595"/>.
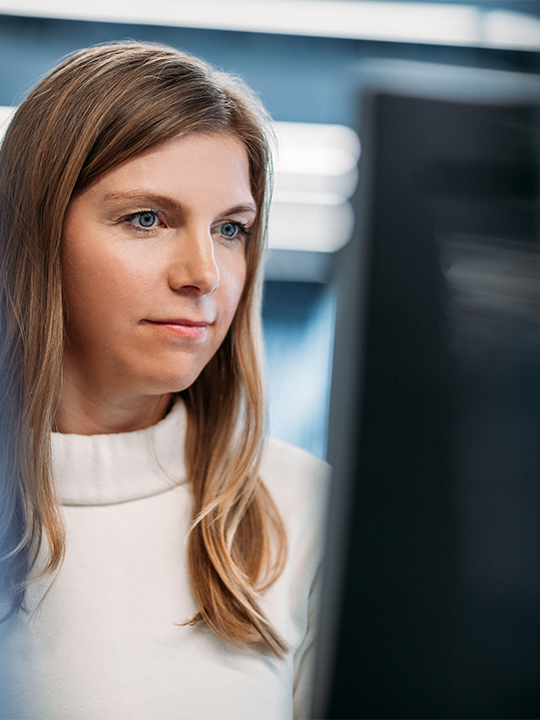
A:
<point x="90" y="414"/>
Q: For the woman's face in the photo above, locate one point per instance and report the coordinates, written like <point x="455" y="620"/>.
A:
<point x="154" y="266"/>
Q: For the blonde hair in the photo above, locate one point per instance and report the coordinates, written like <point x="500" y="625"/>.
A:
<point x="98" y="108"/>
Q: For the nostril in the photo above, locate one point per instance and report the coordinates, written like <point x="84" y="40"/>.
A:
<point x="201" y="284"/>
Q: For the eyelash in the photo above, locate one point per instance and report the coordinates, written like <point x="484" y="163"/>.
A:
<point x="243" y="229"/>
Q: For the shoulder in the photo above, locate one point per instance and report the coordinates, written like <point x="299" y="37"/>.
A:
<point x="297" y="480"/>
<point x="284" y="464"/>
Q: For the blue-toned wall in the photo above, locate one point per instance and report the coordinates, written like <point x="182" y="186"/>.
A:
<point x="299" y="78"/>
<point x="299" y="329"/>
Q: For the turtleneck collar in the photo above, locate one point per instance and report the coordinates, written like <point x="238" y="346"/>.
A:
<point x="119" y="467"/>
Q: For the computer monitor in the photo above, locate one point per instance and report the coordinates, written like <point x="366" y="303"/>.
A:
<point x="431" y="595"/>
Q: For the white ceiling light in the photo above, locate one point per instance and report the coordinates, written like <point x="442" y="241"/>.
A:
<point x="512" y="30"/>
<point x="316" y="174"/>
<point x="445" y="24"/>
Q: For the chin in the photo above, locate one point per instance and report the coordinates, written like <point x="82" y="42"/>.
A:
<point x="170" y="383"/>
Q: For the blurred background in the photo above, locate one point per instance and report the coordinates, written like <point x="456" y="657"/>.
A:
<point x="432" y="593"/>
<point x="299" y="56"/>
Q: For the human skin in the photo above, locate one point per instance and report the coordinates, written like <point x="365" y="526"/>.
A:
<point x="153" y="269"/>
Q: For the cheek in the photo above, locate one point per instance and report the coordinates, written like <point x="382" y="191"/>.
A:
<point x="97" y="283"/>
<point x="232" y="285"/>
<point x="86" y="283"/>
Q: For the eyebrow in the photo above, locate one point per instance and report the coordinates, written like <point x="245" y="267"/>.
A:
<point x="143" y="198"/>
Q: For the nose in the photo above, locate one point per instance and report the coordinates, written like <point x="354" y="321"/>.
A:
<point x="193" y="266"/>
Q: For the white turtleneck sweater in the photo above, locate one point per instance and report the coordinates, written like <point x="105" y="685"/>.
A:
<point x="105" y="642"/>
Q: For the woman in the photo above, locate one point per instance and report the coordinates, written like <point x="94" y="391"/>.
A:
<point x="158" y="557"/>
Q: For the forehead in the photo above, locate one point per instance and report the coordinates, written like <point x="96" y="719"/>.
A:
<point x="203" y="173"/>
<point x="196" y="162"/>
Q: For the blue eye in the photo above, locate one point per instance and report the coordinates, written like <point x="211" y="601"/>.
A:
<point x="229" y="229"/>
<point x="233" y="230"/>
<point x="145" y="219"/>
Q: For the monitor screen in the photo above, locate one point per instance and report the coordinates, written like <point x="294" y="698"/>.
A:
<point x="431" y="600"/>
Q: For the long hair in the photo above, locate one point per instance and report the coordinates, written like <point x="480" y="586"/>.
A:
<point x="101" y="107"/>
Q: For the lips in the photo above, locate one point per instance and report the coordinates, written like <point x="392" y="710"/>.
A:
<point x="181" y="321"/>
<point x="181" y="327"/>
